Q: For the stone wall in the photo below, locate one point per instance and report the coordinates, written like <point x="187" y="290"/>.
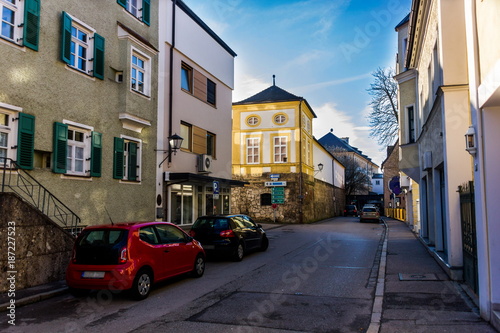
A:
<point x="42" y="248"/>
<point x="319" y="200"/>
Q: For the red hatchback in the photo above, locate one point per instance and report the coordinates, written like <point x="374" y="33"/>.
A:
<point x="132" y="256"/>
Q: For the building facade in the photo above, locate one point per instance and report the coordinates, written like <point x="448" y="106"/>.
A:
<point x="274" y="150"/>
<point x="78" y="104"/>
<point x="196" y="79"/>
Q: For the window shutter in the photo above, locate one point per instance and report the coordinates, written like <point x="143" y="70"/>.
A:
<point x="211" y="92"/>
<point x="146" y="5"/>
<point x="132" y="161"/>
<point x="122" y="3"/>
<point x="26" y="141"/>
<point x="96" y="155"/>
<point x="31" y="24"/>
<point x="98" y="56"/>
<point x="66" y="38"/>
<point x="118" y="159"/>
<point x="199" y="140"/>
<point x="60" y="148"/>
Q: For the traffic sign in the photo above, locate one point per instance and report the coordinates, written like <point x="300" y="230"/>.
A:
<point x="216" y="187"/>
<point x="270" y="184"/>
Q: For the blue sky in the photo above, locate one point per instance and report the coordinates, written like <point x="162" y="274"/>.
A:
<point x="322" y="50"/>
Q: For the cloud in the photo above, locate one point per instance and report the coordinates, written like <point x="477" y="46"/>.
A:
<point x="320" y="85"/>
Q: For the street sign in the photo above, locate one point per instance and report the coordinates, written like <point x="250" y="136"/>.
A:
<point x="269" y="184"/>
<point x="277" y="190"/>
<point x="216" y="187"/>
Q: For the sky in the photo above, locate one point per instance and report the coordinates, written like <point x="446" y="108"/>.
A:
<point x="322" y="50"/>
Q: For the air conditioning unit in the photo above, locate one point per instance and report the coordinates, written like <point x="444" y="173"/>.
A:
<point x="204" y="163"/>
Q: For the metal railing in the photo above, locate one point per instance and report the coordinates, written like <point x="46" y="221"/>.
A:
<point x="15" y="179"/>
<point x="396" y="213"/>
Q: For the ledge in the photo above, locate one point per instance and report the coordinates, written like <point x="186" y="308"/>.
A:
<point x="132" y="122"/>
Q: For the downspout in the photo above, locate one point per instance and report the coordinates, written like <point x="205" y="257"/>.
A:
<point x="301" y="197"/>
<point x="170" y="102"/>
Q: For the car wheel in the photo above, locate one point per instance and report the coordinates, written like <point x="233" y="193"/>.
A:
<point x="142" y="284"/>
<point x="239" y="252"/>
<point x="77" y="292"/>
<point x="264" y="244"/>
<point x="199" y="266"/>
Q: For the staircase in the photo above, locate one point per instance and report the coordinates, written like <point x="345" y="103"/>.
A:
<point x="17" y="180"/>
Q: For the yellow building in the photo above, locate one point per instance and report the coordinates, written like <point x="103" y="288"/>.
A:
<point x="273" y="147"/>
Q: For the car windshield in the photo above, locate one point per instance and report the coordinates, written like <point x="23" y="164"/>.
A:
<point x="216" y="224"/>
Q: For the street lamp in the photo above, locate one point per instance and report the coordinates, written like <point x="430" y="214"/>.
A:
<point x="470" y="141"/>
<point x="174" y="143"/>
<point x="320" y="168"/>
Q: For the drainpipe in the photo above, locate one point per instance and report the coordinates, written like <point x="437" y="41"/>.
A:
<point x="170" y="103"/>
<point x="301" y="197"/>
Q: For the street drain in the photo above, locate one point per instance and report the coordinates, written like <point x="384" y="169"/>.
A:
<point x="418" y="277"/>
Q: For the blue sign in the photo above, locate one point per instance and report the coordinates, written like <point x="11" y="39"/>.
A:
<point x="216" y="187"/>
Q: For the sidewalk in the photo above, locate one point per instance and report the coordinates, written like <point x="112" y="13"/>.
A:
<point x="418" y="295"/>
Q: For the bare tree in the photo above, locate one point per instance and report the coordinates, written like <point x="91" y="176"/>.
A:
<point x="357" y="180"/>
<point x="384" y="115"/>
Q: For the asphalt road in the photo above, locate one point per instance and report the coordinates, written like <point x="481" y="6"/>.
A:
<point x="313" y="278"/>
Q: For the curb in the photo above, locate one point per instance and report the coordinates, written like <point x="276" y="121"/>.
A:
<point x="379" y="291"/>
<point x="34" y="298"/>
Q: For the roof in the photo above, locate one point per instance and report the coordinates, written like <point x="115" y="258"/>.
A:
<point x="204" y="26"/>
<point x="273" y="94"/>
<point x="403" y="22"/>
<point x="330" y="140"/>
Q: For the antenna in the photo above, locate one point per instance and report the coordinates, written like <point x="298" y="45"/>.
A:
<point x="109" y="216"/>
<point x="274" y="80"/>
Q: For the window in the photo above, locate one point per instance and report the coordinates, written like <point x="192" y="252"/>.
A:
<point x="280" y="119"/>
<point x="139" y="78"/>
<point x="377" y="182"/>
<point x="170" y="235"/>
<point x="253" y="150"/>
<point x="148" y="235"/>
<point x="186" y="78"/>
<point x="280" y="145"/>
<point x="77" y="150"/>
<point x="21" y="22"/>
<point x="266" y="199"/>
<point x="139" y="8"/>
<point x="211" y="144"/>
<point x="411" y="125"/>
<point x="211" y="92"/>
<point x="17" y="137"/>
<point x="127" y="159"/>
<point x="253" y="121"/>
<point x="186" y="135"/>
<point x="82" y="49"/>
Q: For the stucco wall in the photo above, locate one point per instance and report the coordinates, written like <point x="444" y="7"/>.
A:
<point x="42" y="249"/>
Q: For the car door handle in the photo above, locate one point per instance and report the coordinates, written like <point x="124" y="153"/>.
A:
<point x="166" y="251"/>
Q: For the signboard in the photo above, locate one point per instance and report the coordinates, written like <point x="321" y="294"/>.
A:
<point x="278" y="195"/>
<point x="270" y="184"/>
<point x="216" y="187"/>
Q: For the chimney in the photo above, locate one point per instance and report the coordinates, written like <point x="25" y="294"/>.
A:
<point x="346" y="139"/>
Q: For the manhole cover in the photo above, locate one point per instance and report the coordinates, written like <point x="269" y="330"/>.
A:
<point x="418" y="277"/>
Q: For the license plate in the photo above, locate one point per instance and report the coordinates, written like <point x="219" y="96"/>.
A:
<point x="209" y="247"/>
<point x="92" y="275"/>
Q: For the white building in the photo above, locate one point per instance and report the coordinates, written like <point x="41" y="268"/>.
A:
<point x="196" y="79"/>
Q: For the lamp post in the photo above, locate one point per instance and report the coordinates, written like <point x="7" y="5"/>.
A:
<point x="174" y="144"/>
<point x="470" y="141"/>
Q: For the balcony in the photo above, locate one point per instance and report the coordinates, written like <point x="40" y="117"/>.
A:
<point x="409" y="161"/>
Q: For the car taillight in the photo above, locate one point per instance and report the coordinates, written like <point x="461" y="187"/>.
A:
<point x="227" y="233"/>
<point x="123" y="256"/>
<point x="192" y="233"/>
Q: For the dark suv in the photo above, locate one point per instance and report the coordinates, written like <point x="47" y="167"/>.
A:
<point x="350" y="210"/>
<point x="229" y="234"/>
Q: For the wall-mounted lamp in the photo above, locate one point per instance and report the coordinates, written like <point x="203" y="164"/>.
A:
<point x="174" y="143"/>
<point x="470" y="141"/>
<point x="320" y="168"/>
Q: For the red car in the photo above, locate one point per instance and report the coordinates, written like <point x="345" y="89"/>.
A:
<point x="132" y="256"/>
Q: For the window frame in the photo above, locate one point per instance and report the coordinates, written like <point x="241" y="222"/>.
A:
<point x="145" y="70"/>
<point x="142" y="12"/>
<point x="211" y="95"/>
<point x="187" y="143"/>
<point x="280" y="123"/>
<point x="252" y="144"/>
<point x="253" y="116"/>
<point x="211" y="143"/>
<point x="282" y="156"/>
<point x="187" y="78"/>
<point x="10" y="129"/>
<point x="412" y="134"/>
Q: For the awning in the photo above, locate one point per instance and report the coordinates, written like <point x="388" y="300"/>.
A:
<point x="181" y="177"/>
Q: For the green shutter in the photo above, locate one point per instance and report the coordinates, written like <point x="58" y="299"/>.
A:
<point x="98" y="56"/>
<point x="118" y="158"/>
<point x="122" y="3"/>
<point x="132" y="161"/>
<point x="146" y="10"/>
<point x="60" y="148"/>
<point x="31" y="24"/>
<point x="26" y="141"/>
<point x="96" y="155"/>
<point x="66" y="38"/>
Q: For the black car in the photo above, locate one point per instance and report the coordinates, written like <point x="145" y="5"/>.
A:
<point x="350" y="210"/>
<point x="229" y="234"/>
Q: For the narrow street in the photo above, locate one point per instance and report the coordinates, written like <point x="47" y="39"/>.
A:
<point x="313" y="278"/>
